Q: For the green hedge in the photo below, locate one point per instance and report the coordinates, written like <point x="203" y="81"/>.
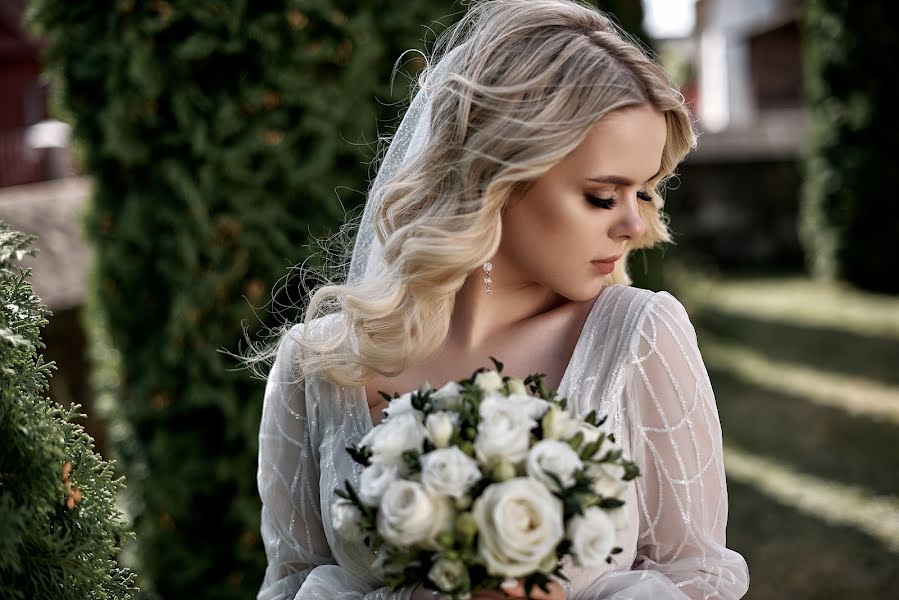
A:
<point x="849" y="223"/>
<point x="60" y="529"/>
<point x="219" y="136"/>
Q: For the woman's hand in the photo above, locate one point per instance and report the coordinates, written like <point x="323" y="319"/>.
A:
<point x="556" y="592"/>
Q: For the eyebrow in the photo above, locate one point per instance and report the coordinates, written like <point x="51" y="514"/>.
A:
<point x="618" y="180"/>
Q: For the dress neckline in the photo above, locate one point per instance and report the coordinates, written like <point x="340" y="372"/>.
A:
<point x="362" y="399"/>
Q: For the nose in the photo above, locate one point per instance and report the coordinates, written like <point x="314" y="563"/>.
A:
<point x="630" y="224"/>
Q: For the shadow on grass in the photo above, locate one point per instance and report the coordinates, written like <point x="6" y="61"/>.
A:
<point x="825" y="349"/>
<point x="792" y="555"/>
<point x="818" y="440"/>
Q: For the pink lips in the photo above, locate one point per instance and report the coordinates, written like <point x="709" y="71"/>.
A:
<point x="605" y="266"/>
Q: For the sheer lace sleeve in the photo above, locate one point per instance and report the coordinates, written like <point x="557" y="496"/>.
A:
<point x="682" y="493"/>
<point x="301" y="564"/>
<point x="291" y="528"/>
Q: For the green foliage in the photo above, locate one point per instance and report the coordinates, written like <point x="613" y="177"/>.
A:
<point x="219" y="136"/>
<point x="60" y="528"/>
<point x="847" y="226"/>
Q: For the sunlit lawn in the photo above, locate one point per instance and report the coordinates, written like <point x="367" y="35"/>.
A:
<point x="806" y="377"/>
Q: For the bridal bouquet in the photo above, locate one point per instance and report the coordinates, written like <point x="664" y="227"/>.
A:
<point x="486" y="479"/>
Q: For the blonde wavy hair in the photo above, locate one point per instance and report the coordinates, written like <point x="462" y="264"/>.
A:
<point x="532" y="78"/>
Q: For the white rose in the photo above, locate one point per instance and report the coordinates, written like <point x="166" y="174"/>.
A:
<point x="447" y="397"/>
<point x="607" y="479"/>
<point x="449" y="471"/>
<point x="519" y="524"/>
<point x="559" y="424"/>
<point x="592" y="537"/>
<point x="374" y="481"/>
<point x="409" y="515"/>
<point x="488" y="381"/>
<point x="448" y="574"/>
<point x="516" y="386"/>
<point x="504" y="431"/>
<point x="553" y="457"/>
<point x="402" y="405"/>
<point x="388" y="440"/>
<point x="532" y="406"/>
<point x="440" y="426"/>
<point x="346" y="519"/>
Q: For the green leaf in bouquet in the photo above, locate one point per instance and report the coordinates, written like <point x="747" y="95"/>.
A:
<point x="614" y="550"/>
<point x="591" y="417"/>
<point x="386" y="396"/>
<point x="419" y="400"/>
<point x="576" y="441"/>
<point x="571" y="506"/>
<point x="556" y="480"/>
<point x="611" y="455"/>
<point x="497" y="364"/>
<point x="360" y="455"/>
<point x="536" y="580"/>
<point x="590" y="450"/>
<point x="631" y="470"/>
<point x="610" y="503"/>
<point x="412" y="459"/>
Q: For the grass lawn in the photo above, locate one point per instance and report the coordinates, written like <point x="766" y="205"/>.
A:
<point x="806" y="376"/>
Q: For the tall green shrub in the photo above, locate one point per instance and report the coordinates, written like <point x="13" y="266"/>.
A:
<point x="849" y="225"/>
<point x="60" y="529"/>
<point x="219" y="135"/>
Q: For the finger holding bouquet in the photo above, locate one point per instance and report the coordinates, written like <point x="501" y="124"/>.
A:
<point x="480" y="489"/>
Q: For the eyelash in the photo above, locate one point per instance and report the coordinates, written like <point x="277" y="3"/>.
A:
<point x="610" y="202"/>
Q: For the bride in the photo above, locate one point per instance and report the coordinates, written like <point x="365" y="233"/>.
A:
<point x="526" y="169"/>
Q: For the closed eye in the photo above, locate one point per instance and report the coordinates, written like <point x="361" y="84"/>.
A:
<point x="610" y="202"/>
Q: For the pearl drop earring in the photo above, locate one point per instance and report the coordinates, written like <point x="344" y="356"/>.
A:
<point x="488" y="280"/>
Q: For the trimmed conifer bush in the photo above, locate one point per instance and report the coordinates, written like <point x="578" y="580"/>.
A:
<point x="60" y="529"/>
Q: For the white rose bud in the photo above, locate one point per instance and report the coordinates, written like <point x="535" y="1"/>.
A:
<point x="553" y="457"/>
<point x="374" y="480"/>
<point x="519" y="524"/>
<point x="388" y="440"/>
<point x="448" y="575"/>
<point x="559" y="424"/>
<point x="516" y="386"/>
<point x="346" y="519"/>
<point x="447" y="397"/>
<point x="440" y="428"/>
<point x="489" y="381"/>
<point x="449" y="471"/>
<point x="607" y="479"/>
<point x="592" y="537"/>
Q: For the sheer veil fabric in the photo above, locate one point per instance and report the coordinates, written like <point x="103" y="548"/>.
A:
<point x="636" y="360"/>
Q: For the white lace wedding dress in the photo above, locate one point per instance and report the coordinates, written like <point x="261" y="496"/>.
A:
<point x="636" y="360"/>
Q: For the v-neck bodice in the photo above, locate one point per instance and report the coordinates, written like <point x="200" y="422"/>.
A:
<point x="360" y="396"/>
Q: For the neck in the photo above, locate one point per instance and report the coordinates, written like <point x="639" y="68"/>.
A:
<point x="478" y="317"/>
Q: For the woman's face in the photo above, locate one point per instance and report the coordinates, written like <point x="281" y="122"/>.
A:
<point x="585" y="208"/>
